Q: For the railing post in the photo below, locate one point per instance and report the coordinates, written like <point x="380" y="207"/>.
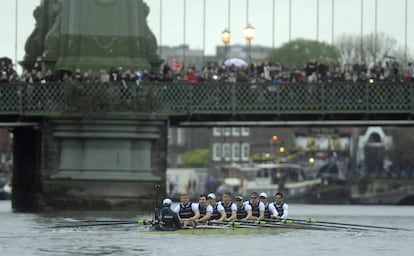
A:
<point x="20" y="95"/>
<point x="411" y="97"/>
<point x="323" y="100"/>
<point x="190" y="92"/>
<point x="233" y="98"/>
<point x="367" y="102"/>
<point x="278" y="92"/>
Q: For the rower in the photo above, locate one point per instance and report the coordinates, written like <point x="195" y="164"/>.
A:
<point x="187" y="210"/>
<point x="258" y="207"/>
<point x="244" y="211"/>
<point x="205" y="209"/>
<point x="219" y="213"/>
<point x="166" y="219"/>
<point x="263" y="199"/>
<point x="229" y="207"/>
<point x="281" y="208"/>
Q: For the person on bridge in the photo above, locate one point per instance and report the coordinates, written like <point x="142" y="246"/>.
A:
<point x="166" y="219"/>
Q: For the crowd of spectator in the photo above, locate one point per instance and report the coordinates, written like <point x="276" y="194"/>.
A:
<point x="260" y="72"/>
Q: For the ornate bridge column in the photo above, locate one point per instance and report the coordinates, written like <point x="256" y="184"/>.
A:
<point x="92" y="34"/>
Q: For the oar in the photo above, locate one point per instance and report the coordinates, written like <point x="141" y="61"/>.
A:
<point x="304" y="224"/>
<point x="94" y="221"/>
<point x="291" y="226"/>
<point x="243" y="223"/>
<point x="96" y="224"/>
<point x="313" y="221"/>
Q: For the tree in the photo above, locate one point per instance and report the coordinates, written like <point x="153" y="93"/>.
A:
<point x="196" y="158"/>
<point x="369" y="49"/>
<point x="349" y="47"/>
<point x="298" y="52"/>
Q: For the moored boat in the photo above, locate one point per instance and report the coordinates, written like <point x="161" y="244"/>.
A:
<point x="288" y="178"/>
<point x="5" y="191"/>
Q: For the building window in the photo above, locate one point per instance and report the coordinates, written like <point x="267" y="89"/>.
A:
<point x="322" y="142"/>
<point x="216" y="152"/>
<point x="245" y="152"/>
<point x="235" y="131"/>
<point x="170" y="136"/>
<point x="179" y="160"/>
<point x="245" y="131"/>
<point x="227" y="131"/>
<point x="344" y="143"/>
<point x="180" y="136"/>
<point x="227" y="152"/>
<point x="235" y="152"/>
<point x="217" y="131"/>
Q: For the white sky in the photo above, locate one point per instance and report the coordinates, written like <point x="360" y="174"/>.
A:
<point x="347" y="19"/>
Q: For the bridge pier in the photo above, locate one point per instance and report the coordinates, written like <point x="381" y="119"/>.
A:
<point x="105" y="163"/>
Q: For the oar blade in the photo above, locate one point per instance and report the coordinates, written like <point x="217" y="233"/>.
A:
<point x="351" y="226"/>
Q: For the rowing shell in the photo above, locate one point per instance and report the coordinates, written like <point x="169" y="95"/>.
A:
<point x="220" y="230"/>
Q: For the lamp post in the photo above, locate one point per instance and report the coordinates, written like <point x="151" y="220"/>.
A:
<point x="16" y="35"/>
<point x="249" y="34"/>
<point x="225" y="37"/>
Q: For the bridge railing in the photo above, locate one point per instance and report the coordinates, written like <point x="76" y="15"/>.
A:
<point x="208" y="98"/>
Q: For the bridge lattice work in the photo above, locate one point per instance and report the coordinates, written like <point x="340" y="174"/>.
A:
<point x="214" y="101"/>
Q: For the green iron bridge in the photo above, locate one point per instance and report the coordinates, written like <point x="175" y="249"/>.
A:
<point x="104" y="145"/>
<point x="216" y="103"/>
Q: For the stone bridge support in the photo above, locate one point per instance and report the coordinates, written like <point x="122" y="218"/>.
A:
<point x="105" y="163"/>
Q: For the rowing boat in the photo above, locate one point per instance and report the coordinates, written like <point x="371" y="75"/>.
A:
<point x="220" y="230"/>
<point x="236" y="228"/>
<point x="242" y="227"/>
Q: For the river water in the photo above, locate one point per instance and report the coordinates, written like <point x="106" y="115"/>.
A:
<point x="34" y="234"/>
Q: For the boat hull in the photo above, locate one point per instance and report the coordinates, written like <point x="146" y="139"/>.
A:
<point x="220" y="230"/>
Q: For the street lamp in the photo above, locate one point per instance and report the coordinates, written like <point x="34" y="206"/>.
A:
<point x="225" y="37"/>
<point x="249" y="34"/>
<point x="311" y="160"/>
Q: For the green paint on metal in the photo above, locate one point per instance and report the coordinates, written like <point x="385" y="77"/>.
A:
<point x="92" y="34"/>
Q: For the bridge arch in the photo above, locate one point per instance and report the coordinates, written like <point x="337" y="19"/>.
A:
<point x="374" y="141"/>
<point x="26" y="177"/>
